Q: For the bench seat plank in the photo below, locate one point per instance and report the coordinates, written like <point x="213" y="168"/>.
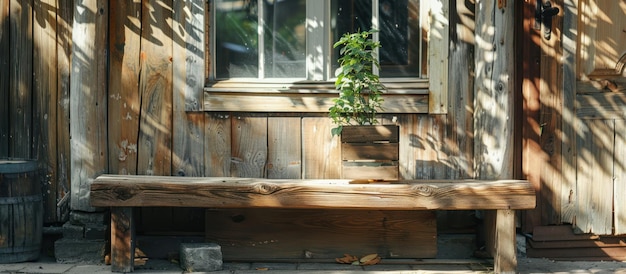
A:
<point x="217" y="192"/>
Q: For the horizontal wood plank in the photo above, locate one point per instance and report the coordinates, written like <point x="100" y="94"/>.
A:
<point x="216" y="192"/>
<point x="360" y="151"/>
<point x="367" y="134"/>
<point x="303" y="102"/>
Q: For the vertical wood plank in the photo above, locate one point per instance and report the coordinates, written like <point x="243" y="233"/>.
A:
<point x="249" y="146"/>
<point x="188" y="82"/>
<point x="5" y="59"/>
<point x="88" y="99"/>
<point x="494" y="87"/>
<point x="284" y="141"/>
<point x="533" y="157"/>
<point x="505" y="260"/>
<point x="595" y="177"/>
<point x="218" y="146"/>
<point x="619" y="184"/>
<point x="64" y="46"/>
<point x="155" y="85"/>
<point x="21" y="79"/>
<point x="407" y="146"/>
<point x="568" y="185"/>
<point x="460" y="126"/>
<point x="550" y="96"/>
<point x="46" y="99"/>
<point x="321" y="152"/>
<point x="124" y="99"/>
<point x="122" y="236"/>
<point x="438" y="56"/>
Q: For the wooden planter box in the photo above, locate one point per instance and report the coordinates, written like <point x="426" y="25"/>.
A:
<point x="370" y="152"/>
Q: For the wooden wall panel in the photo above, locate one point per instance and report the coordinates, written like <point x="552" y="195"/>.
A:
<point x="284" y="144"/>
<point x="21" y="79"/>
<point x="322" y="234"/>
<point x="594" y="183"/>
<point x="45" y="101"/>
<point x="64" y="46"/>
<point x="249" y="146"/>
<point x="88" y="99"/>
<point x="321" y="152"/>
<point x="123" y="97"/>
<point x="155" y="85"/>
<point x="188" y="63"/>
<point x="217" y="148"/>
<point x="619" y="211"/>
<point x="5" y="54"/>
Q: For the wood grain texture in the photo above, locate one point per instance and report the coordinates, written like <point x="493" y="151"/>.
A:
<point x="438" y="53"/>
<point x="155" y="85"/>
<point x="122" y="239"/>
<point x="302" y="102"/>
<point x="370" y="134"/>
<point x="494" y="86"/>
<point x="321" y="234"/>
<point x="119" y="190"/>
<point x="5" y="58"/>
<point x="88" y="99"/>
<point x="45" y="101"/>
<point x="64" y="52"/>
<point x="619" y="207"/>
<point x="21" y="79"/>
<point x="284" y="145"/>
<point x="321" y="151"/>
<point x="361" y="151"/>
<point x="188" y="65"/>
<point x="249" y="146"/>
<point x="217" y="148"/>
<point x="124" y="101"/>
<point x="594" y="176"/>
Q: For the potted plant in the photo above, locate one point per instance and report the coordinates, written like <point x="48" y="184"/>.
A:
<point x="369" y="151"/>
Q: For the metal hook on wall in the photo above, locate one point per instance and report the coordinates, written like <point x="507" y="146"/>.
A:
<point x="543" y="16"/>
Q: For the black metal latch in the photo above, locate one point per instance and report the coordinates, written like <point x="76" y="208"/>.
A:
<point x="543" y="14"/>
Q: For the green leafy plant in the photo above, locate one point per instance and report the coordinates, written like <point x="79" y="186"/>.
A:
<point x="360" y="90"/>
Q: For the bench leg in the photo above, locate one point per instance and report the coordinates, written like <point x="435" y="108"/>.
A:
<point x="122" y="239"/>
<point x="505" y="260"/>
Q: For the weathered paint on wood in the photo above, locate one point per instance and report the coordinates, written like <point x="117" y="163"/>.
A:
<point x="154" y="147"/>
<point x="229" y="192"/>
<point x="321" y="234"/>
<point x="284" y="143"/>
<point x="88" y="99"/>
<point x="46" y="99"/>
<point x="5" y="58"/>
<point x="123" y="96"/>
<point x="21" y="79"/>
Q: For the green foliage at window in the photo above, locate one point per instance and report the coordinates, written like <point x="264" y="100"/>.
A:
<point x="360" y="90"/>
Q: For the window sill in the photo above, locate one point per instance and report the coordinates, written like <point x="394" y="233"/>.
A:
<point x="400" y="97"/>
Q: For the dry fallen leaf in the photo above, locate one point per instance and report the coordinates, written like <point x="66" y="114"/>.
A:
<point x="368" y="258"/>
<point x="347" y="259"/>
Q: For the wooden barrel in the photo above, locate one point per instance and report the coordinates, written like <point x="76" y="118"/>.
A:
<point x="21" y="211"/>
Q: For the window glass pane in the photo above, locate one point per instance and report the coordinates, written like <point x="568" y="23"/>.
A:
<point x="236" y="39"/>
<point x="285" y="43"/>
<point x="399" y="34"/>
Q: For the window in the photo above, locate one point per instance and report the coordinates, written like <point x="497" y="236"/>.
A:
<point x="285" y="46"/>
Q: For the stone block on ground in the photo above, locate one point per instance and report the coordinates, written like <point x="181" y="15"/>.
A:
<point x="197" y="257"/>
<point x="79" y="251"/>
<point x="71" y="231"/>
<point x="85" y="218"/>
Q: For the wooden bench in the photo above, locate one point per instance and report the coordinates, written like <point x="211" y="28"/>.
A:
<point x="123" y="192"/>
